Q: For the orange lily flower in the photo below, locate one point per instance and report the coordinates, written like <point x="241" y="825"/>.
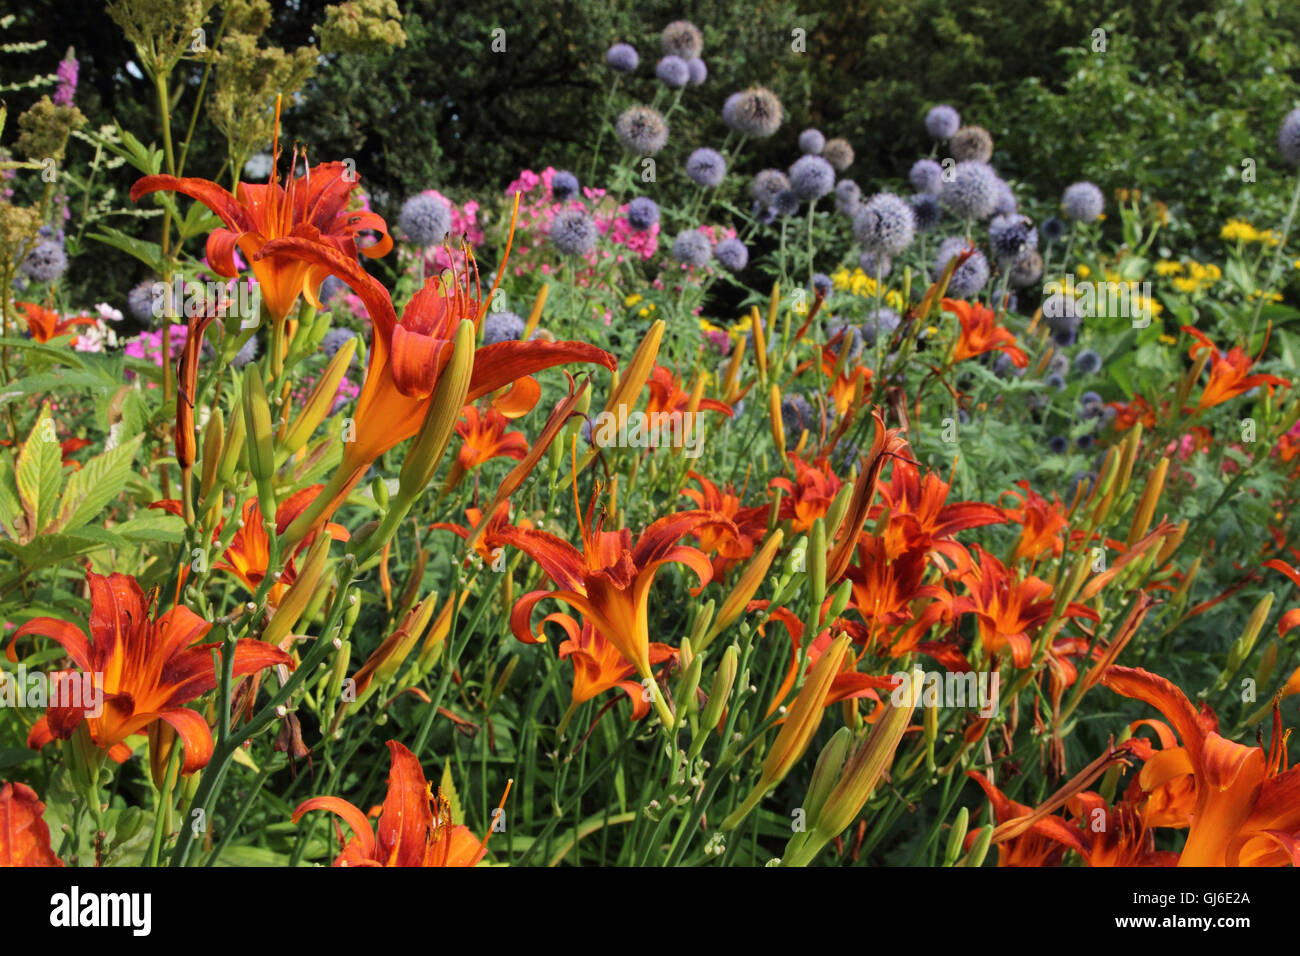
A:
<point x="980" y="333"/>
<point x="24" y="835"/>
<point x="250" y="549"/>
<point x="1043" y="844"/>
<point x="666" y="395"/>
<point x="728" y="544"/>
<point x="1040" y="520"/>
<point x="407" y="357"/>
<point x="609" y="580"/>
<point x="490" y="540"/>
<point x="884" y="589"/>
<point x="485" y="438"/>
<point x="145" y="668"/>
<point x="920" y="516"/>
<point x="1229" y="374"/>
<point x="810" y="495"/>
<point x="312" y="209"/>
<point x="414" y="829"/>
<point x="1247" y="803"/>
<point x="45" y="324"/>
<point x="1128" y="414"/>
<point x="843" y="387"/>
<point x="598" y="666"/>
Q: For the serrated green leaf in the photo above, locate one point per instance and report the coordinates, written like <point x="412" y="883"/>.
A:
<point x="152" y="527"/>
<point x="98" y="482"/>
<point x="55" y="548"/>
<point x="448" y="791"/>
<point x="147" y="252"/>
<point x="39" y="475"/>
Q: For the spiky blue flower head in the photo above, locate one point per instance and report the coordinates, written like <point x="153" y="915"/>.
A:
<point x="1056" y="380"/>
<point x="876" y="265"/>
<point x="425" y="220"/>
<point x="1027" y="270"/>
<point x="882" y="321"/>
<point x="682" y="38"/>
<point x="1058" y="444"/>
<point x="971" y="144"/>
<point x="767" y="185"/>
<point x="331" y="287"/>
<point x="1084" y="479"/>
<point x="1089" y="405"/>
<point x="622" y="57"/>
<point x="673" y="72"/>
<point x="691" y="248"/>
<point x="1053" y="229"/>
<point x="848" y="197"/>
<point x="853" y="338"/>
<point x="502" y="326"/>
<point x="926" y="176"/>
<point x="925" y="211"/>
<point x="1061" y="312"/>
<point x="812" y="141"/>
<point x="1288" y="138"/>
<point x="706" y="167"/>
<point x="839" y="153"/>
<point x="755" y="112"/>
<point x="1087" y="362"/>
<point x="942" y="121"/>
<point x="811" y="177"/>
<point x="641" y="130"/>
<point x="970" y="276"/>
<point x="1059" y="363"/>
<point x="798" y="416"/>
<point x="699" y="72"/>
<point x="139" y="301"/>
<point x="642" y="213"/>
<point x="821" y="282"/>
<point x="247" y="352"/>
<point x="46" y="262"/>
<point x="1010" y="237"/>
<point x="1082" y="202"/>
<point x="1085" y="442"/>
<point x="786" y="203"/>
<point x="885" y="225"/>
<point x="1003" y="367"/>
<point x="732" y="254"/>
<point x="564" y="185"/>
<point x="573" y="233"/>
<point x="1006" y="204"/>
<point x="972" y="192"/>
<point x="335" y="339"/>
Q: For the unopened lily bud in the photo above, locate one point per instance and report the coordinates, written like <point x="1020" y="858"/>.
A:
<point x="838" y="509"/>
<point x="1179" y="598"/>
<point x="634" y="377"/>
<point x="980" y="848"/>
<point x="760" y="345"/>
<point x="261" y="438"/>
<point x="723" y="679"/>
<point x="499" y="687"/>
<point x="732" y="375"/>
<point x="1132" y="443"/>
<point x="746" y="587"/>
<point x="439" y="425"/>
<point x="957" y="837"/>
<point x="300" y="593"/>
<point x="1146" y="508"/>
<point x="334" y="689"/>
<point x="1171" y="543"/>
<point x="320" y="401"/>
<point x="684" y="693"/>
<point x="778" y="424"/>
<point x="701" y="626"/>
<point x="843" y="594"/>
<point x="1190" y="379"/>
<point x="1267" y="663"/>
<point x="827" y="771"/>
<point x="379" y="491"/>
<point x="801" y="723"/>
<point x="535" y="314"/>
<point x="685" y="655"/>
<point x="234" y="445"/>
<point x="213" y="437"/>
<point x="1246" y="642"/>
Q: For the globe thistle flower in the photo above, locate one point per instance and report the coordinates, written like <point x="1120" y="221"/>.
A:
<point x="1089" y="405"/>
<point x="682" y="38"/>
<point x="971" y="144"/>
<point x="1003" y="367"/>
<point x="1056" y="380"/>
<point x="1058" y="444"/>
<point x="1010" y="237"/>
<point x="732" y="254"/>
<point x="642" y="213"/>
<point x="1084" y="479"/>
<point x="767" y="185"/>
<point x="622" y="58"/>
<point x="880" y="321"/>
<point x="1006" y="204"/>
<point x="942" y="121"/>
<point x="812" y="141"/>
<point x="1085" y="442"/>
<point x="1053" y="229"/>
<point x="247" y="352"/>
<point x="1065" y="337"/>
<point x="706" y="167"/>
<point x="838" y="153"/>
<point x="878" y="266"/>
<point x="972" y="193"/>
<point x="673" y="72"/>
<point x="925" y="211"/>
<point x="335" y="339"/>
<point x="564" y="185"/>
<point x="1082" y="202"/>
<point x="1288" y="138"/>
<point x="853" y="337"/>
<point x="798" y="416"/>
<point x="502" y="327"/>
<point x="1026" y="271"/>
<point x="926" y="176"/>
<point x="885" y="225"/>
<point x="822" y="283"/>
<point x="641" y="130"/>
<point x="139" y="301"/>
<point x="1087" y="362"/>
<point x="811" y="177"/>
<point x="755" y="112"/>
<point x="46" y="262"/>
<point x="970" y="276"/>
<point x="691" y="248"/>
<point x="1059" y="363"/>
<point x="848" y="197"/>
<point x="425" y="220"/>
<point x="785" y="204"/>
<point x="573" y="233"/>
<point x="765" y="215"/>
<point x="1060" y="312"/>
<point x="699" y="72"/>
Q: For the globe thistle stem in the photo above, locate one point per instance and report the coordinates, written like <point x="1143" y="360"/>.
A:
<point x="605" y="121"/>
<point x="1277" y="258"/>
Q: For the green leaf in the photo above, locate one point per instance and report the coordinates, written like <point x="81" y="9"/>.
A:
<point x="147" y="252"/>
<point x="55" y="548"/>
<point x="40" y="473"/>
<point x="98" y="482"/>
<point x="448" y="790"/>
<point x="152" y="527"/>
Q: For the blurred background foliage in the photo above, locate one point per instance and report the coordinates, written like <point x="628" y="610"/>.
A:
<point x="1184" y="91"/>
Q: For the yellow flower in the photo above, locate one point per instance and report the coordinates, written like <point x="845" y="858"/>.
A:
<point x="1237" y="229"/>
<point x="1268" y="237"/>
<point x="1168" y="340"/>
<point x="632" y="300"/>
<point x="1168" y="268"/>
<point x="1214" y="272"/>
<point x="1082" y="271"/>
<point x="1187" y="285"/>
